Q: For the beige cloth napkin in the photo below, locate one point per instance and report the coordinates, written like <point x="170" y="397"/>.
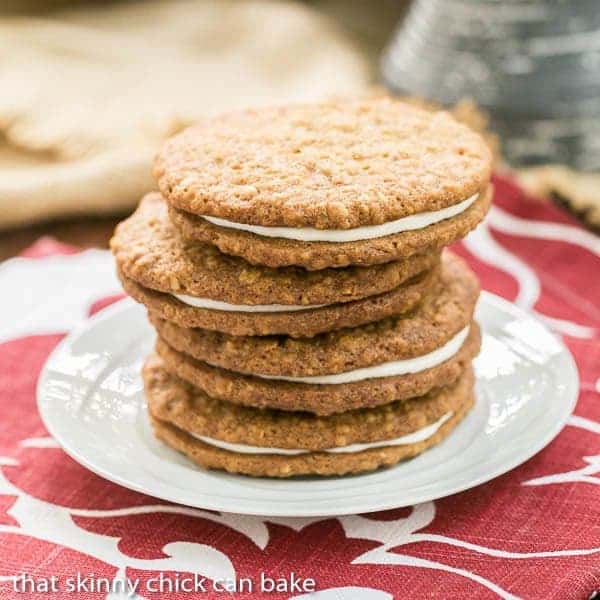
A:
<point x="579" y="192"/>
<point x="89" y="95"/>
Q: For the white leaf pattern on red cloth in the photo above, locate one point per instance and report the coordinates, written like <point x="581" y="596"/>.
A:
<point x="508" y="538"/>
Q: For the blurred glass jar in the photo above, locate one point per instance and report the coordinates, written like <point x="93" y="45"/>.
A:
<point x="534" y="65"/>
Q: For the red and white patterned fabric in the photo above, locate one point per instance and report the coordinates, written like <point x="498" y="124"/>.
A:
<point x="532" y="533"/>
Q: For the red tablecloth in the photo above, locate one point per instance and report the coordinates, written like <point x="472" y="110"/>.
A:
<point x="532" y="533"/>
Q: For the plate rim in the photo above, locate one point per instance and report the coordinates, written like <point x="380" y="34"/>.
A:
<point x="206" y="502"/>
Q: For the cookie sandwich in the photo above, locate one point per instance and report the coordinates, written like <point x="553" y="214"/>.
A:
<point x="193" y="284"/>
<point x="327" y="185"/>
<point x="218" y="435"/>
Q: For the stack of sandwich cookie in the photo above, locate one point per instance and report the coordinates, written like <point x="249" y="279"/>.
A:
<point x="308" y="321"/>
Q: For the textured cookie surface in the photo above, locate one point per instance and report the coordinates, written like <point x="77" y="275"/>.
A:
<point x="318" y="399"/>
<point x="444" y="313"/>
<point x="304" y="323"/>
<point x="280" y="252"/>
<point x="335" y="165"/>
<point x="177" y="408"/>
<point x="149" y="250"/>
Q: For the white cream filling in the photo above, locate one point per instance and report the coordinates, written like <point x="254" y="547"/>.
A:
<point x="250" y="308"/>
<point x="311" y="234"/>
<point x="387" y="369"/>
<point x="411" y="438"/>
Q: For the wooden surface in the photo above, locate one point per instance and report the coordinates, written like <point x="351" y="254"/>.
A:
<point x="85" y="233"/>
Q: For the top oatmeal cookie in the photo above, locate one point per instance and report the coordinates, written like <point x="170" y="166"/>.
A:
<point x="334" y="165"/>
